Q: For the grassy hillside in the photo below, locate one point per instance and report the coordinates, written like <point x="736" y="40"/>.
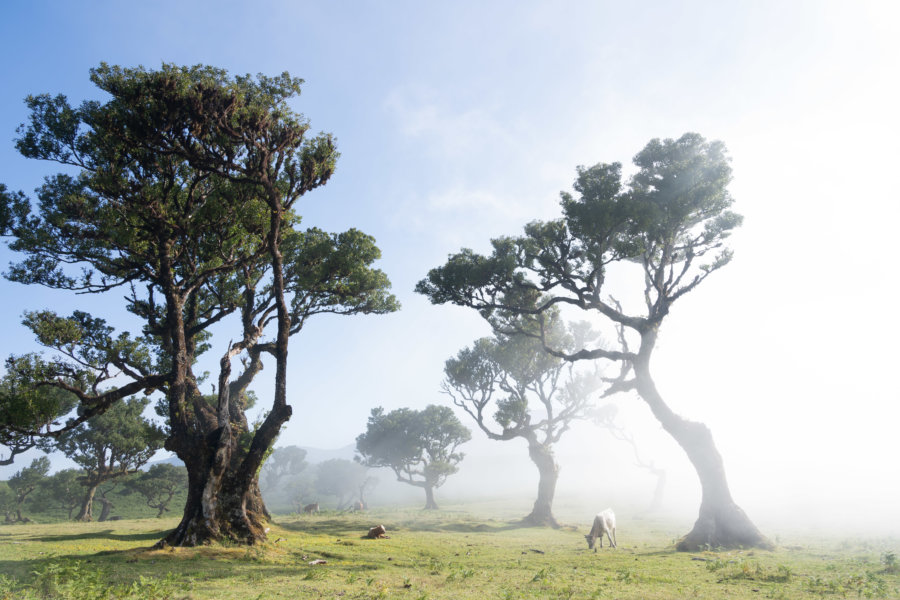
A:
<point x="462" y="552"/>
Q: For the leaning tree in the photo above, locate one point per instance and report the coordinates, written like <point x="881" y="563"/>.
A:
<point x="181" y="192"/>
<point x="419" y="446"/>
<point x="669" y="222"/>
<point x="513" y="389"/>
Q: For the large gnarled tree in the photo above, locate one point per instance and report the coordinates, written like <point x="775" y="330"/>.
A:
<point x="670" y="221"/>
<point x="184" y="198"/>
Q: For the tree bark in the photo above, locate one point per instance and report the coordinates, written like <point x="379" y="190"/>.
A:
<point x="87" y="504"/>
<point x="721" y="523"/>
<point x="218" y="507"/>
<point x="107" y="508"/>
<point x="542" y="456"/>
<point x="430" y="504"/>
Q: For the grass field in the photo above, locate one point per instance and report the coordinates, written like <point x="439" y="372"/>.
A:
<point x="449" y="554"/>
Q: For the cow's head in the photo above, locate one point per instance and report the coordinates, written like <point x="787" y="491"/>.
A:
<point x="590" y="540"/>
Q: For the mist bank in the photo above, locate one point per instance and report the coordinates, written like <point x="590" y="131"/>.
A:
<point x="597" y="471"/>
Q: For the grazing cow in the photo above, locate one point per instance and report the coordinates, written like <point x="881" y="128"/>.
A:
<point x="358" y="506"/>
<point x="311" y="508"/>
<point x="604" y="522"/>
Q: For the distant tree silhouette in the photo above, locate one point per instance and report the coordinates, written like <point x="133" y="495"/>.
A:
<point x="418" y="445"/>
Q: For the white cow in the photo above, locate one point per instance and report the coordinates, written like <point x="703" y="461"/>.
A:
<point x="604" y="522"/>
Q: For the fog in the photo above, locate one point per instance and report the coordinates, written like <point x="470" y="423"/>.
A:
<point x="459" y="123"/>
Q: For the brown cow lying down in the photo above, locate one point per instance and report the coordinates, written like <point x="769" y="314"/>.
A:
<point x="377" y="533"/>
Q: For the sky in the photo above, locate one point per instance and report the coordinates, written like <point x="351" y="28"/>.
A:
<point x="458" y="122"/>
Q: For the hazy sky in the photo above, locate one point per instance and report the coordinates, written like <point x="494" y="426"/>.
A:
<point x="460" y="121"/>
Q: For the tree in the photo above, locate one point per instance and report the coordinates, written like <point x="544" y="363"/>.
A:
<point x="534" y="395"/>
<point x="340" y="478"/>
<point x="669" y="224"/>
<point x="23" y="483"/>
<point x="21" y="404"/>
<point x="62" y="490"/>
<point x="184" y="198"/>
<point x="286" y="462"/>
<point x="419" y="446"/>
<point x="110" y="445"/>
<point x="605" y="416"/>
<point x="158" y="485"/>
<point x="105" y="501"/>
<point x="7" y="502"/>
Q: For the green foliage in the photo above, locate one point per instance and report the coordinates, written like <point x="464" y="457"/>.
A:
<point x="23" y="483"/>
<point x="330" y="273"/>
<point x="862" y="585"/>
<point x="76" y="581"/>
<point x="671" y="218"/>
<point x="159" y="485"/>
<point x="180" y="188"/>
<point x="419" y="446"/>
<point x="531" y="390"/>
<point x="25" y="407"/>
<point x="730" y="569"/>
<point x="114" y="443"/>
<point x="62" y="490"/>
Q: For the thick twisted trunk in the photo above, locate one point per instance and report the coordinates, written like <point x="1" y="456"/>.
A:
<point x="721" y="523"/>
<point x="542" y="456"/>
<point x="220" y="505"/>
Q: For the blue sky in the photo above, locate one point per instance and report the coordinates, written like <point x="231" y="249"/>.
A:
<point x="459" y="121"/>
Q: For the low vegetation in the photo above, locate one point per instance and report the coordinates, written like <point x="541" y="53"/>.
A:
<point x="451" y="553"/>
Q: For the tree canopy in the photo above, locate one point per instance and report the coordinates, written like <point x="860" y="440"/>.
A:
<point x="110" y="445"/>
<point x="23" y="483"/>
<point x="420" y="446"/>
<point x="671" y="220"/>
<point x="183" y="198"/>
<point x="158" y="485"/>
<point x="512" y="389"/>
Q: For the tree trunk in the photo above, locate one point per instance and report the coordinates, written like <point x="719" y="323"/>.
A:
<point x="722" y="523"/>
<point x="107" y="508"/>
<point x="658" y="491"/>
<point x="542" y="456"/>
<point x="220" y="504"/>
<point x="87" y="504"/>
<point x="430" y="504"/>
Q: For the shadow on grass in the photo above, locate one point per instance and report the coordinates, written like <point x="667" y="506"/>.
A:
<point x="108" y="534"/>
<point x="122" y="567"/>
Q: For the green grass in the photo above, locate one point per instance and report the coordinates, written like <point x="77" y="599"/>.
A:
<point x="457" y="553"/>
